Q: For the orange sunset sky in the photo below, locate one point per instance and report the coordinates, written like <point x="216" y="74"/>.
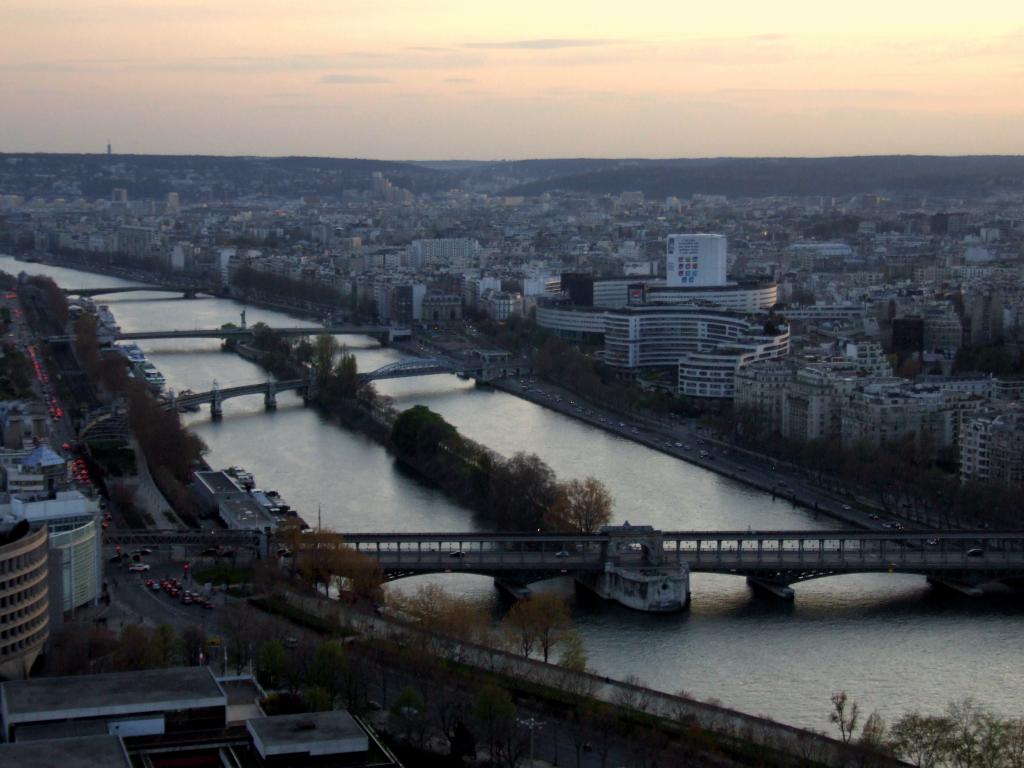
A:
<point x="451" y="79"/>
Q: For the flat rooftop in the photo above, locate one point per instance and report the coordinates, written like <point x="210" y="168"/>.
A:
<point x="313" y="733"/>
<point x="149" y="690"/>
<point x="218" y="482"/>
<point x="244" y="513"/>
<point x="83" y="752"/>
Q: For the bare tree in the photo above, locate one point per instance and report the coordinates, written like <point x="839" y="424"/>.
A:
<point x="581" y="505"/>
<point x="844" y="715"/>
<point x="923" y="740"/>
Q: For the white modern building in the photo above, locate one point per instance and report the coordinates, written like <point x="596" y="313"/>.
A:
<point x="696" y="260"/>
<point x="74" y="533"/>
<point x="706" y="345"/>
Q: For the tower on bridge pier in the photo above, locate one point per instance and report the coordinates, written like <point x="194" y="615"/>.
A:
<point x="216" y="405"/>
<point x="636" y="572"/>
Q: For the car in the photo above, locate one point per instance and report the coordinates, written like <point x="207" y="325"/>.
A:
<point x="186" y="600"/>
<point x="847" y="507"/>
<point x="975" y="552"/>
<point x="155" y="587"/>
<point x="561" y="553"/>
<point x="932" y="542"/>
<point x="115" y="559"/>
<point x="138" y="567"/>
<point x="679" y="445"/>
<point x="208" y="605"/>
<point x="457" y="553"/>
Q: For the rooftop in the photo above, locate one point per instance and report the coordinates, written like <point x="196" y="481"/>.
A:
<point x="111" y="693"/>
<point x="82" y="752"/>
<point x="218" y="482"/>
<point x="314" y="733"/>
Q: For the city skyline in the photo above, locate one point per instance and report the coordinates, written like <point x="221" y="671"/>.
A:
<point x="400" y="81"/>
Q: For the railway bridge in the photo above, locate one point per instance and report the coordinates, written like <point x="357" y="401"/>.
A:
<point x="649" y="569"/>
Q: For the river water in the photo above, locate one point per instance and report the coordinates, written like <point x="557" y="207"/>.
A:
<point x="891" y="641"/>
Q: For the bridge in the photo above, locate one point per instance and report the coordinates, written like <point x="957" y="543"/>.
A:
<point x="247" y="333"/>
<point x="307" y="387"/>
<point x="414" y="367"/>
<point x="244" y="334"/>
<point x="649" y="570"/>
<point x="216" y="396"/>
<point x="187" y="290"/>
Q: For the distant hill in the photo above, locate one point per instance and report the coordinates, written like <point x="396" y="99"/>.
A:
<point x="209" y="177"/>
<point x="758" y="177"/>
<point x="147" y="176"/>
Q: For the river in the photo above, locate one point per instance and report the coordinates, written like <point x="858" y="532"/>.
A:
<point x="891" y="641"/>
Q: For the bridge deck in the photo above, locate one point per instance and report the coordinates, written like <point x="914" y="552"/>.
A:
<point x="783" y="556"/>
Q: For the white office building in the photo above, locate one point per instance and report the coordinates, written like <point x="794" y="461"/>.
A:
<point x="696" y="260"/>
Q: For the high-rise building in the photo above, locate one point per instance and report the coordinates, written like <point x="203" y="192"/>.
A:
<point x="696" y="260"/>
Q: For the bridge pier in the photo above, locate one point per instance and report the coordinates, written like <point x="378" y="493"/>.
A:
<point x="512" y="589"/>
<point x="779" y="590"/>
<point x="270" y="397"/>
<point x="956" y="586"/>
<point x="663" y="589"/>
<point x="216" y="407"/>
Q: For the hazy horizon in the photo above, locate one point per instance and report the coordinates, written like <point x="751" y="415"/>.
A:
<point x="450" y="80"/>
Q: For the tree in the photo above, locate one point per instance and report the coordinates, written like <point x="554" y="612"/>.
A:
<point x="923" y="740"/>
<point x="193" y="645"/>
<point x="582" y="506"/>
<point x="362" y="574"/>
<point x="133" y="649"/>
<point x="346" y="374"/>
<point x="844" y="715"/>
<point x="325" y="347"/>
<point x="522" y="490"/>
<point x="410" y="709"/>
<point x="271" y="662"/>
<point x="540" y="621"/>
<point x="574" y="653"/>
<point x="872" y="734"/>
<point x="317" y="699"/>
<point x="405" y="432"/>
<point x="495" y="712"/>
<point x="164" y="644"/>
<point x="328" y="672"/>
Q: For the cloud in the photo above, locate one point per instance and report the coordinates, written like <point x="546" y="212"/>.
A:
<point x="352" y="79"/>
<point x="541" y="44"/>
<point x="459" y="80"/>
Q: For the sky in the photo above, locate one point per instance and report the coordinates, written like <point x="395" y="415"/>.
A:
<point x="489" y="79"/>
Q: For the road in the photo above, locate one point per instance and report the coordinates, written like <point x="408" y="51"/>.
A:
<point x="684" y="439"/>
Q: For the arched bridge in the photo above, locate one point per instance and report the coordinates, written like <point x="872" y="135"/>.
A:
<point x="216" y="396"/>
<point x="414" y="367"/>
<point x="649" y="569"/>
<point x="469" y="369"/>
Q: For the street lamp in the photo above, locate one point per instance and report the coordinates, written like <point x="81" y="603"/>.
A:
<point x="531" y="723"/>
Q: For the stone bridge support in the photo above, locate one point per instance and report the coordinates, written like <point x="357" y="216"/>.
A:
<point x="270" y="396"/>
<point x="216" y="406"/>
